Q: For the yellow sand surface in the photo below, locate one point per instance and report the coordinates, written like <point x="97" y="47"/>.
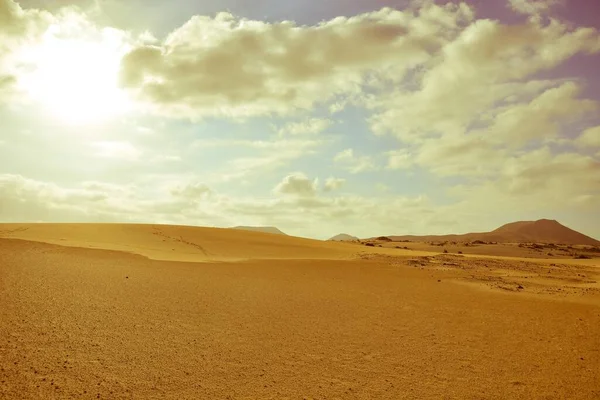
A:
<point x="186" y="243"/>
<point x="120" y="311"/>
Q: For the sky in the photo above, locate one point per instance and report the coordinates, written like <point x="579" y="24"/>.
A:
<point x="367" y="117"/>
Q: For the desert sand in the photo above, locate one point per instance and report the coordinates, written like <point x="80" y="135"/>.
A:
<point x="120" y="311"/>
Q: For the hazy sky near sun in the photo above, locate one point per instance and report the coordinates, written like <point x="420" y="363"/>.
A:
<point x="368" y="117"/>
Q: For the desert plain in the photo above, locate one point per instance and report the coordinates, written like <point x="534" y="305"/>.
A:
<point x="125" y="311"/>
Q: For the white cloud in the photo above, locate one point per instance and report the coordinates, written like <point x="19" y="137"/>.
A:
<point x="543" y="117"/>
<point x="297" y="184"/>
<point x="16" y="22"/>
<point x="237" y="67"/>
<point x="399" y="159"/>
<point x="465" y="155"/>
<point x="482" y="70"/>
<point x="533" y="7"/>
<point x="565" y="174"/>
<point x="535" y="181"/>
<point x="337" y="107"/>
<point x="332" y="184"/>
<point x="18" y="28"/>
<point x="26" y="200"/>
<point x="344" y="155"/>
<point x="477" y="114"/>
<point x="311" y="126"/>
<point x="353" y="163"/>
<point x="480" y="152"/>
<point x="589" y="138"/>
<point x="192" y="191"/>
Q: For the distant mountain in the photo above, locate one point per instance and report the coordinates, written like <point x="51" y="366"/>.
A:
<point x="265" y="229"/>
<point x="343" y="237"/>
<point x="541" y="231"/>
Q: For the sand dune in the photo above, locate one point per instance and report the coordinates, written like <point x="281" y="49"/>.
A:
<point x="265" y="229"/>
<point x="109" y="311"/>
<point x="178" y="243"/>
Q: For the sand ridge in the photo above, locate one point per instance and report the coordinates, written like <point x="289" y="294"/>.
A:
<point x="187" y="243"/>
<point x="174" y="243"/>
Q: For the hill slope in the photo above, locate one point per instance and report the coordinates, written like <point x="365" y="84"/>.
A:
<point x="265" y="229"/>
<point x="541" y="231"/>
<point x="342" y="237"/>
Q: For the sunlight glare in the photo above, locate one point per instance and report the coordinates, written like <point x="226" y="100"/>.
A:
<point x="76" y="80"/>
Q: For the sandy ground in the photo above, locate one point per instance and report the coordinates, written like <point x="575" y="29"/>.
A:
<point x="112" y="311"/>
<point x="513" y="250"/>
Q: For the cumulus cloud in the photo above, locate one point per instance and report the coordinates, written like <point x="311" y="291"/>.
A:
<point x="27" y="200"/>
<point x="533" y="7"/>
<point x="543" y="117"/>
<point x="297" y="184"/>
<point x="466" y="156"/>
<point x="542" y="171"/>
<point x="479" y="73"/>
<point x="480" y="152"/>
<point x="481" y="113"/>
<point x="18" y="27"/>
<point x="304" y="211"/>
<point x="237" y="67"/>
<point x="353" y="163"/>
<point x="332" y="184"/>
<point x="535" y="182"/>
<point x="399" y="159"/>
<point x="589" y="138"/>
<point x="19" y="23"/>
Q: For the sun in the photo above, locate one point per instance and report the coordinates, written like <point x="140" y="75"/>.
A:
<point x="76" y="80"/>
